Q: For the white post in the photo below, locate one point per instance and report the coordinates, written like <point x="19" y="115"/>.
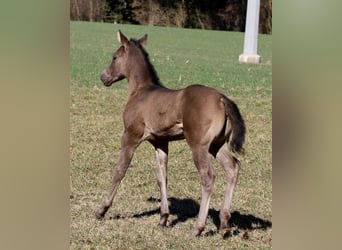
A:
<point x="251" y="33"/>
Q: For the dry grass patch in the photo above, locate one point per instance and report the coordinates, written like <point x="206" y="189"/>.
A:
<point x="131" y="223"/>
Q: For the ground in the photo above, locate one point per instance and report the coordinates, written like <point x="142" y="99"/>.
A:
<point x="181" y="57"/>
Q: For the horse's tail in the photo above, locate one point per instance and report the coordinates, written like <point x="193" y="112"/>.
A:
<point x="237" y="123"/>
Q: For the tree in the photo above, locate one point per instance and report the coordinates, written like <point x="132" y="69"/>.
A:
<point x="86" y="10"/>
<point x="204" y="14"/>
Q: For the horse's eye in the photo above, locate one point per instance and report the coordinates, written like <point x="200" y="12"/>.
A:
<point x="114" y="57"/>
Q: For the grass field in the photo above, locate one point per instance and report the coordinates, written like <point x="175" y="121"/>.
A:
<point x="181" y="57"/>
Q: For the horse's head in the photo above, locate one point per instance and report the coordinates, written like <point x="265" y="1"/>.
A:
<point x="122" y="58"/>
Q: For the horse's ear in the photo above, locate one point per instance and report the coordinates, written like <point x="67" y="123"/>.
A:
<point x="122" y="39"/>
<point x="143" y="40"/>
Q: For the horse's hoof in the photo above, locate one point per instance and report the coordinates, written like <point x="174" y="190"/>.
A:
<point x="162" y="224"/>
<point x="99" y="214"/>
<point x="225" y="232"/>
<point x="196" y="232"/>
<point x="163" y="221"/>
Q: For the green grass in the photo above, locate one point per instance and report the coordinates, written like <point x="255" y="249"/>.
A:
<point x="181" y="57"/>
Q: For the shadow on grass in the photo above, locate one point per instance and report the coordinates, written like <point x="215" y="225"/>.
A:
<point x="185" y="209"/>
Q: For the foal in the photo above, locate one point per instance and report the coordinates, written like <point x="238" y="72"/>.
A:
<point x="202" y="116"/>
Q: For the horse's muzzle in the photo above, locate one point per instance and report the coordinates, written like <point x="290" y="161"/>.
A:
<point x="106" y="78"/>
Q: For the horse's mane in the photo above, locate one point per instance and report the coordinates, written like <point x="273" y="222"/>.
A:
<point x="150" y="67"/>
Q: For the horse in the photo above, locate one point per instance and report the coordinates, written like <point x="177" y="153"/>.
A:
<point x="208" y="120"/>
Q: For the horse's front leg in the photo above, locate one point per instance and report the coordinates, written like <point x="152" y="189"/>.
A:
<point x="128" y="146"/>
<point x="162" y="158"/>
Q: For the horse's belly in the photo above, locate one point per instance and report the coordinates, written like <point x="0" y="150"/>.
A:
<point x="169" y="133"/>
<point x="176" y="131"/>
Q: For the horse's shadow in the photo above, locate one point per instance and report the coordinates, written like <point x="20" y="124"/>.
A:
<point x="185" y="209"/>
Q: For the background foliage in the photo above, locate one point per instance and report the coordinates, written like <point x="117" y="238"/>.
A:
<point x="205" y="14"/>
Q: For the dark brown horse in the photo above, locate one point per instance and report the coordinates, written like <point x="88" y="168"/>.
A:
<point x="202" y="116"/>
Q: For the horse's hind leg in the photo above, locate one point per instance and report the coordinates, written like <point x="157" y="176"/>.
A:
<point x="162" y="158"/>
<point x="207" y="176"/>
<point x="127" y="150"/>
<point x="231" y="166"/>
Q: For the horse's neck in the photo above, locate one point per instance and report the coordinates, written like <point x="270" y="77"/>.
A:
<point x="137" y="84"/>
<point x="141" y="78"/>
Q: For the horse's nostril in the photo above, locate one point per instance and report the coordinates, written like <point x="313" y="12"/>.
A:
<point x="104" y="77"/>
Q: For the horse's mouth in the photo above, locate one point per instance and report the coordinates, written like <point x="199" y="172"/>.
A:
<point x="108" y="82"/>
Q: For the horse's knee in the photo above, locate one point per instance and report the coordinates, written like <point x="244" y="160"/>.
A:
<point x="161" y="178"/>
<point x="119" y="174"/>
<point x="208" y="178"/>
